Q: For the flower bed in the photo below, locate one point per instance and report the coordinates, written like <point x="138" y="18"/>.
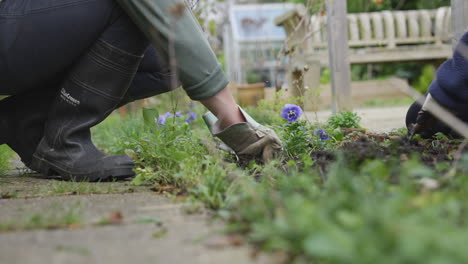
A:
<point x="337" y="194"/>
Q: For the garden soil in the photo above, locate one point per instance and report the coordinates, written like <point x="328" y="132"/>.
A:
<point x="368" y="146"/>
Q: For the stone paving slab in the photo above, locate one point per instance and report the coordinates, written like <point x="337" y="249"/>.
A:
<point x="30" y="186"/>
<point x="186" y="240"/>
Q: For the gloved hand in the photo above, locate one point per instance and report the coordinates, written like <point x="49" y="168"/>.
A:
<point x="426" y="123"/>
<point x="424" y="120"/>
<point x="249" y="139"/>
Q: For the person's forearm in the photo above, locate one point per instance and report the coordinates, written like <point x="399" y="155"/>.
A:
<point x="225" y="108"/>
<point x="198" y="69"/>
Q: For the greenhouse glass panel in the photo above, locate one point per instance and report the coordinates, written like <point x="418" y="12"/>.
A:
<point x="256" y="22"/>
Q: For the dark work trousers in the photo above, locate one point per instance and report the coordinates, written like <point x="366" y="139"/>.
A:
<point x="41" y="39"/>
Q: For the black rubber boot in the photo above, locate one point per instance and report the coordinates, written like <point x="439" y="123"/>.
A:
<point x="23" y="116"/>
<point x="4" y="132"/>
<point x="93" y="89"/>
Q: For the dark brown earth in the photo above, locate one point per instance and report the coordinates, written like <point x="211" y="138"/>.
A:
<point x="390" y="149"/>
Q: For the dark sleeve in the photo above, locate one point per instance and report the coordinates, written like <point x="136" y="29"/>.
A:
<point x="450" y="88"/>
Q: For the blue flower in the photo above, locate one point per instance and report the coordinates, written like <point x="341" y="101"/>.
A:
<point x="322" y="134"/>
<point x="191" y="106"/>
<point x="191" y="118"/>
<point x="291" y="112"/>
<point x="162" y="119"/>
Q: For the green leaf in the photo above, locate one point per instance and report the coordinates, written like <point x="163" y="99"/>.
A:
<point x="150" y="116"/>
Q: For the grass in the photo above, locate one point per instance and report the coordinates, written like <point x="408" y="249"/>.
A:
<point x="5" y="155"/>
<point x="80" y="188"/>
<point x="56" y="216"/>
<point x="356" y="216"/>
<point x="406" y="101"/>
<point x="73" y="249"/>
<point x="27" y="187"/>
<point x="375" y="211"/>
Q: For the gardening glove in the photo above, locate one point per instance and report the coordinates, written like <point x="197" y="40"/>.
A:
<point x="426" y="123"/>
<point x="249" y="139"/>
<point x="424" y="119"/>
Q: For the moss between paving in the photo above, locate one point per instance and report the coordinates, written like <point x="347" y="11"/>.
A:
<point x="150" y="228"/>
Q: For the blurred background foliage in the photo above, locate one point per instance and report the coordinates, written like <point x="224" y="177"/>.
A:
<point x="355" y="6"/>
<point x="418" y="74"/>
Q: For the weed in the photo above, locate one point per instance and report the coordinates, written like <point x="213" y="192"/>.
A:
<point x="56" y="216"/>
<point x="162" y="232"/>
<point x="345" y="119"/>
<point x="296" y="137"/>
<point x="354" y="217"/>
<point x="334" y="197"/>
<point x="149" y="220"/>
<point x="77" y="188"/>
<point x="72" y="249"/>
<point x="5" y="155"/>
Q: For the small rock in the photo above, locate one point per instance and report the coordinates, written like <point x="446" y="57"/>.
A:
<point x="429" y="184"/>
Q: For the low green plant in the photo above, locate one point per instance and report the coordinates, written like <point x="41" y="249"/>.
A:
<point x="5" y="156"/>
<point x="425" y="79"/>
<point x="73" y="249"/>
<point x="296" y="138"/>
<point x="344" y="119"/>
<point x="166" y="152"/>
<point x="325" y="76"/>
<point x="169" y="151"/>
<point x="440" y="136"/>
<point x="78" y="188"/>
<point x="214" y="184"/>
<point x="268" y="111"/>
<point x="353" y="217"/>
<point x="356" y="210"/>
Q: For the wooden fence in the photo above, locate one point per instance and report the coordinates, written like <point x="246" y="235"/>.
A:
<point x="366" y="38"/>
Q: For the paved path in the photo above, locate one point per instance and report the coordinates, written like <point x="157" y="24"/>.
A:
<point x="382" y="119"/>
<point x="181" y="238"/>
<point x="153" y="228"/>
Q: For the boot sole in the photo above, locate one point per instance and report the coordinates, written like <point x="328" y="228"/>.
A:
<point x="46" y="167"/>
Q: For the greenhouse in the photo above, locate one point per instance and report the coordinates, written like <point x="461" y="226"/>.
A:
<point x="252" y="42"/>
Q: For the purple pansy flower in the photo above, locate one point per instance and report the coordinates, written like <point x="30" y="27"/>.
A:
<point x="322" y="134"/>
<point x="191" y="106"/>
<point x="162" y="119"/>
<point x="191" y="117"/>
<point x="291" y="112"/>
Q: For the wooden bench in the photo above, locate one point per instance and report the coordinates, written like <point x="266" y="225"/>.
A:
<point x="375" y="37"/>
